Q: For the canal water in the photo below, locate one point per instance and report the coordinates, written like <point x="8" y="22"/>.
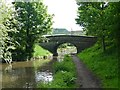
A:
<point x="26" y="74"/>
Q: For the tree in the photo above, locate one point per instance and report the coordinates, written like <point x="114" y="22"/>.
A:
<point x="33" y="22"/>
<point x="92" y="16"/>
<point x="114" y="17"/>
<point x="6" y="42"/>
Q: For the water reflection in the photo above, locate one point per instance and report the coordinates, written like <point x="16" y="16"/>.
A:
<point x="65" y="50"/>
<point x="25" y="75"/>
<point x="18" y="78"/>
<point x="45" y="77"/>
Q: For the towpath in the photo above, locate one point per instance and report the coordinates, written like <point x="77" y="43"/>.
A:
<point x="85" y="78"/>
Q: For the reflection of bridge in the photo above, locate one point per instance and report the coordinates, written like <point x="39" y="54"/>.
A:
<point x="80" y="42"/>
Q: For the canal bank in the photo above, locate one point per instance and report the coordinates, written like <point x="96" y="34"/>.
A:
<point x="64" y="74"/>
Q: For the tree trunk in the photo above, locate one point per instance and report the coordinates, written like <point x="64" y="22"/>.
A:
<point x="103" y="43"/>
<point x="27" y="34"/>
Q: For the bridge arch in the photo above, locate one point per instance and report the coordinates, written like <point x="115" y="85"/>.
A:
<point x="80" y="42"/>
<point x="73" y="45"/>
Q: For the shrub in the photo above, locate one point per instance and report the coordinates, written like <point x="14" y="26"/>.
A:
<point x="64" y="75"/>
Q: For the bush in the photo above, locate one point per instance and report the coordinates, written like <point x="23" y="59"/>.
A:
<point x="66" y="65"/>
<point x="60" y="67"/>
<point x="64" y="75"/>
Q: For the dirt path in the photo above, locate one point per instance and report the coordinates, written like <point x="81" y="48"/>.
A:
<point x="85" y="78"/>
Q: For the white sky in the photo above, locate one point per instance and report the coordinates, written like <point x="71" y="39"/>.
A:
<point x="65" y="12"/>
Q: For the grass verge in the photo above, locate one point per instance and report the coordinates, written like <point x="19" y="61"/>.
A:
<point x="64" y="75"/>
<point x="39" y="51"/>
<point x="104" y="65"/>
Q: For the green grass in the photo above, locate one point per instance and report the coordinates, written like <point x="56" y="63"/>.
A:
<point x="39" y="51"/>
<point x="104" y="65"/>
<point x="64" y="75"/>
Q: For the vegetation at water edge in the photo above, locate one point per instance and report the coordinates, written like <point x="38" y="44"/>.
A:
<point x="64" y="75"/>
<point x="39" y="51"/>
<point x="22" y="26"/>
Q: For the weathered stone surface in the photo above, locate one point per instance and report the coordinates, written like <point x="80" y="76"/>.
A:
<point x="80" y="42"/>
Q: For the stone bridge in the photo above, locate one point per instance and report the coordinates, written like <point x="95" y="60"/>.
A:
<point x="80" y="42"/>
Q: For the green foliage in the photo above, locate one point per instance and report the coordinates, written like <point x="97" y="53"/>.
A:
<point x="64" y="75"/>
<point x="33" y="21"/>
<point x="21" y="27"/>
<point x="61" y="80"/>
<point x="68" y="78"/>
<point x="6" y="42"/>
<point x="100" y="19"/>
<point x="64" y="66"/>
<point x="61" y="67"/>
<point x="104" y="65"/>
<point x="39" y="51"/>
<point x="115" y="23"/>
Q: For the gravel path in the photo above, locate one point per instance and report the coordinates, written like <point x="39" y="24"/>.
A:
<point x="85" y="79"/>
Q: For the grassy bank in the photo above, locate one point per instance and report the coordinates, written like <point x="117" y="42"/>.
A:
<point x="64" y="75"/>
<point x="104" y="65"/>
<point x="39" y="51"/>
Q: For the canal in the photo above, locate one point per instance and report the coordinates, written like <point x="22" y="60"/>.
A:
<point x="28" y="74"/>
